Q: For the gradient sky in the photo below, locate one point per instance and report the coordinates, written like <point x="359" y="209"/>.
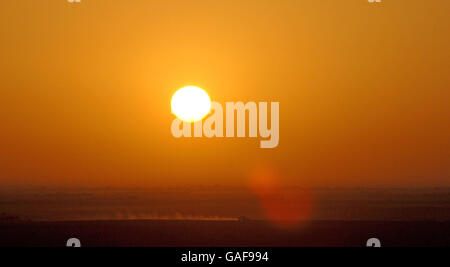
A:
<point x="85" y="89"/>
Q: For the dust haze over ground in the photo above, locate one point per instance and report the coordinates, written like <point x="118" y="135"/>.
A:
<point x="220" y="203"/>
<point x="224" y="216"/>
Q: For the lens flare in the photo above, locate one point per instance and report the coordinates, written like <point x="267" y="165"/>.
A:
<point x="284" y="207"/>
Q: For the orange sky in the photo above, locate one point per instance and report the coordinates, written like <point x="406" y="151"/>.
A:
<point x="364" y="90"/>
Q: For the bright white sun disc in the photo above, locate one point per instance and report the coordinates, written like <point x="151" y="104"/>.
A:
<point x="190" y="104"/>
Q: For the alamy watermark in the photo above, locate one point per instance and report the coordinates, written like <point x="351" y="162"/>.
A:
<point x="213" y="126"/>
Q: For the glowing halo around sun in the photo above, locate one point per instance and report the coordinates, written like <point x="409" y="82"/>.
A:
<point x="190" y="104"/>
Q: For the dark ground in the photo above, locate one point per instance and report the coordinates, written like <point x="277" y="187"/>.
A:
<point x="224" y="233"/>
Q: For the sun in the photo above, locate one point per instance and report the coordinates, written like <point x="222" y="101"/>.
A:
<point x="190" y="104"/>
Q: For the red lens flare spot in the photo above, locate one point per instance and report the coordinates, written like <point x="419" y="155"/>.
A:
<point x="285" y="207"/>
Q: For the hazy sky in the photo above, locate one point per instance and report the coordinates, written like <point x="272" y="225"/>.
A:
<point x="364" y="90"/>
